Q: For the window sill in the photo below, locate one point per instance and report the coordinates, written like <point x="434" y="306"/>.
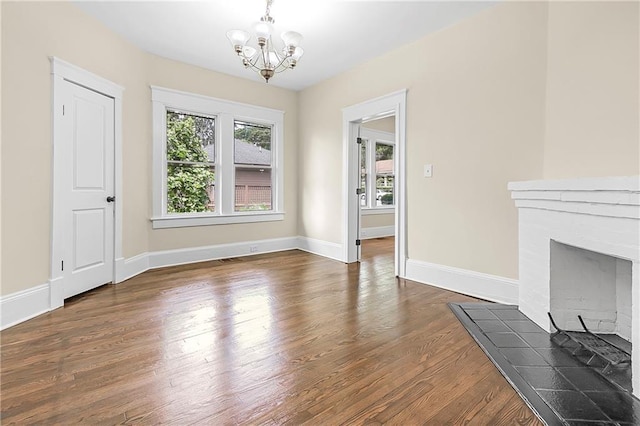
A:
<point x="378" y="210"/>
<point x="181" y="221"/>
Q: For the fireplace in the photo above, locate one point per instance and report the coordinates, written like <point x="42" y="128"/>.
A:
<point x="579" y="254"/>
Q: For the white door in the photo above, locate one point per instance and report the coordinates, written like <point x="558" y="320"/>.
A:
<point x="88" y="175"/>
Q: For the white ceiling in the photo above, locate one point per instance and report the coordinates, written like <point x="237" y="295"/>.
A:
<point x="338" y="34"/>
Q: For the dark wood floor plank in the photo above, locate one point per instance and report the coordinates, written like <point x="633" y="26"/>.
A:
<point x="283" y="338"/>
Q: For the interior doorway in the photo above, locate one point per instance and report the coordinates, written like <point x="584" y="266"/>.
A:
<point x="377" y="182"/>
<point x="354" y="117"/>
<point x="86" y="234"/>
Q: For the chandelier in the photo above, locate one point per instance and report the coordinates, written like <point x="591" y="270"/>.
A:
<point x="267" y="60"/>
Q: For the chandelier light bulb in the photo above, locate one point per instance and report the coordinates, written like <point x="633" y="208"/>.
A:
<point x="263" y="29"/>
<point x="238" y="38"/>
<point x="297" y="54"/>
<point x="248" y="52"/>
<point x="291" y="39"/>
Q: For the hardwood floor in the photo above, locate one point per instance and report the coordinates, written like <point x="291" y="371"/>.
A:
<point x="283" y="338"/>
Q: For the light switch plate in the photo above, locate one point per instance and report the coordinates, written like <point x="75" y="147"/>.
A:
<point x="428" y="170"/>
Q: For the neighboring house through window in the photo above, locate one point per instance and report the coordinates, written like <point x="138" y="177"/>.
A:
<point x="215" y="161"/>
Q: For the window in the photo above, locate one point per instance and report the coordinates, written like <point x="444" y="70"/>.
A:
<point x="377" y="170"/>
<point x="252" y="158"/>
<point x="190" y="163"/>
<point x="215" y="161"/>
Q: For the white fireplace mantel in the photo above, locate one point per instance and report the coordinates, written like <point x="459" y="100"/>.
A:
<point x="596" y="214"/>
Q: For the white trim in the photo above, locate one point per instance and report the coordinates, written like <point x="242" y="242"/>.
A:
<point x="611" y="183"/>
<point x="133" y="266"/>
<point x="472" y="283"/>
<point x="178" y="221"/>
<point x="610" y="196"/>
<point x="391" y="104"/>
<point x="23" y="305"/>
<point x="164" y="258"/>
<point x="377" y="232"/>
<point x="62" y="71"/>
<point x="321" y="248"/>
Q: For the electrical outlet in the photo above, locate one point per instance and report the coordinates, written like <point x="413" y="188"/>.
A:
<point x="253" y="249"/>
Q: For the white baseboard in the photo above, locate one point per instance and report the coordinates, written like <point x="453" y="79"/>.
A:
<point x="476" y="284"/>
<point x="129" y="268"/>
<point x="161" y="259"/>
<point x="377" y="232"/>
<point x="321" y="248"/>
<point x="23" y="305"/>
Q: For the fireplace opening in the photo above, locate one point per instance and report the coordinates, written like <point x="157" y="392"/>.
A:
<point x="593" y="285"/>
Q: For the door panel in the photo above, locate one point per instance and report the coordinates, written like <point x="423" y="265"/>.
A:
<point x="89" y="145"/>
<point x="89" y="218"/>
<point x="88" y="238"/>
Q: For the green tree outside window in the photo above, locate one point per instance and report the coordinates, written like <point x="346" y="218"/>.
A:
<point x="190" y="171"/>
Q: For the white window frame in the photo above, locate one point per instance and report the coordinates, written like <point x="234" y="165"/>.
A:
<point x="371" y="138"/>
<point x="224" y="112"/>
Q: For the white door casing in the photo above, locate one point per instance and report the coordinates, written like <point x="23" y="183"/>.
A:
<point x="87" y="150"/>
<point x="86" y="229"/>
<point x="391" y="104"/>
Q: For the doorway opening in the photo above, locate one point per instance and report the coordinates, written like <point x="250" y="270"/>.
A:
<point x="355" y="118"/>
<point x="377" y="184"/>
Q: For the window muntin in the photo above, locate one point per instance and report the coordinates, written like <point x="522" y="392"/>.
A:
<point x="219" y="142"/>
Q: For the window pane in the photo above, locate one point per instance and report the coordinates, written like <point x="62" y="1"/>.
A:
<point x="363" y="174"/>
<point x="190" y="138"/>
<point x="384" y="175"/>
<point x="252" y="143"/>
<point x="253" y="189"/>
<point x="190" y="188"/>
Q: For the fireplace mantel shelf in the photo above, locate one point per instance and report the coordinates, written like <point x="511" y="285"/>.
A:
<point x="609" y="196"/>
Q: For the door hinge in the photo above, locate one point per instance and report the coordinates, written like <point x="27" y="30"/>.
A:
<point x="358" y="242"/>
<point x="62" y="109"/>
<point x="359" y="191"/>
<point x="358" y="140"/>
<point x="62" y="265"/>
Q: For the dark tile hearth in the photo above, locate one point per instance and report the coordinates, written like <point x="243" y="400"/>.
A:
<point x="557" y="385"/>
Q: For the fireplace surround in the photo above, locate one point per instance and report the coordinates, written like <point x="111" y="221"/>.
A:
<point x="579" y="253"/>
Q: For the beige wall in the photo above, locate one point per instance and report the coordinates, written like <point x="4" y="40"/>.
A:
<point x="377" y="220"/>
<point x="31" y="32"/>
<point x="592" y="90"/>
<point x="475" y="110"/>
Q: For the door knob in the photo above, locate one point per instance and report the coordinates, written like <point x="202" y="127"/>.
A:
<point x="111" y="199"/>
